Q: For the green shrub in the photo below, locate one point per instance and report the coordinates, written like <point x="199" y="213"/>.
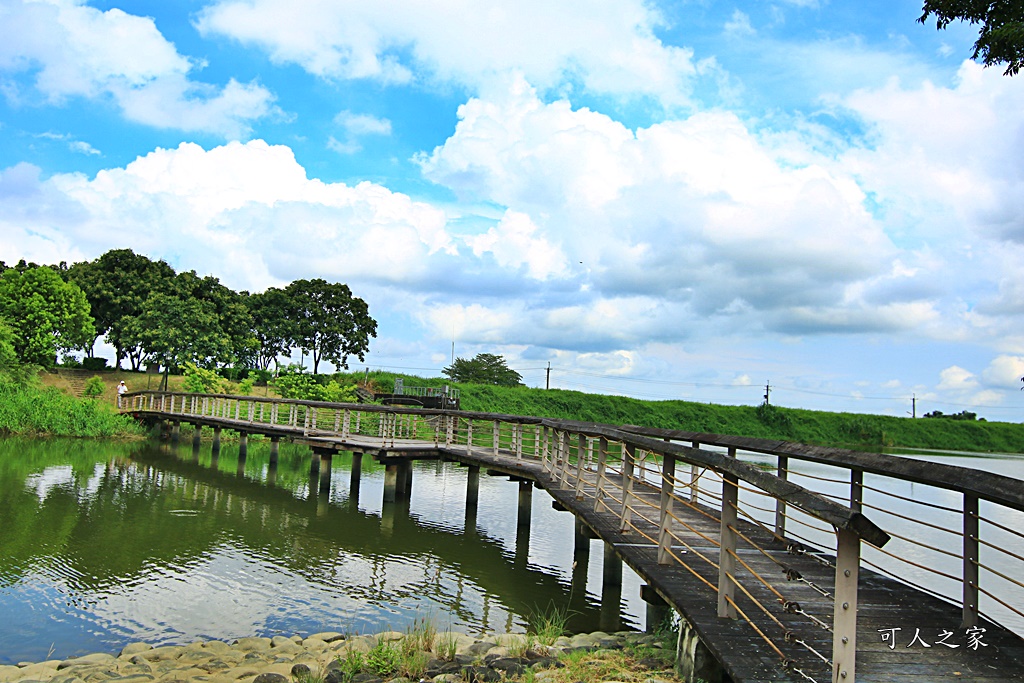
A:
<point x="245" y="386"/>
<point x="94" y="387"/>
<point x="200" y="380"/>
<point x="95" y="364"/>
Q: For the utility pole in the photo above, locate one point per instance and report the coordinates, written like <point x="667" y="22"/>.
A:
<point x="913" y="405"/>
<point x="547" y="382"/>
<point x="767" y="392"/>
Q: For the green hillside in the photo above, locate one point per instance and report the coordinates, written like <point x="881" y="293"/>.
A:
<point x="847" y="430"/>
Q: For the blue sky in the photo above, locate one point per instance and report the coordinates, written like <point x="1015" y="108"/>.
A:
<point x="678" y="200"/>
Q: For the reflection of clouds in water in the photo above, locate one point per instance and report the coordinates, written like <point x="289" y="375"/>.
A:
<point x="42" y="483"/>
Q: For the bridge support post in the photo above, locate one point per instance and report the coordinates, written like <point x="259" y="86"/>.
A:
<point x="693" y="659"/>
<point x="612" y="574"/>
<point x="275" y="448"/>
<point x="353" y="480"/>
<point x="611" y="590"/>
<point x="243" y="444"/>
<point x="472" y="498"/>
<point x="581" y="537"/>
<point x="658" y="611"/>
<point x="216" y="438"/>
<point x="390" y="482"/>
<point x="175" y="432"/>
<point x="314" y="464"/>
<point x="272" y="473"/>
<point x="403" y="487"/>
<point x="326" y="458"/>
<point x="523" y="519"/>
<point x="525" y="504"/>
<point x="473" y="485"/>
<point x="197" y="435"/>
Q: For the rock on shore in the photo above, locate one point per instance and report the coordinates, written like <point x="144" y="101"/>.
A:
<point x="282" y="659"/>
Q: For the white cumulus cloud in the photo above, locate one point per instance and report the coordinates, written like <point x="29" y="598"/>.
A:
<point x="80" y="51"/>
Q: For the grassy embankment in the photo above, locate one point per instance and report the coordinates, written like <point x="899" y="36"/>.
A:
<point x="35" y="410"/>
<point x="845" y="430"/>
<point x="64" y="415"/>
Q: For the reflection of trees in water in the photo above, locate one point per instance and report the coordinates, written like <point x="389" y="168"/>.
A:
<point x="120" y="517"/>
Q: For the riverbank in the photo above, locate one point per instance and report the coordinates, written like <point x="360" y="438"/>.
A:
<point x="331" y="657"/>
<point x="28" y="410"/>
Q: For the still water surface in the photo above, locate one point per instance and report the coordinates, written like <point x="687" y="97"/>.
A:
<point x="103" y="543"/>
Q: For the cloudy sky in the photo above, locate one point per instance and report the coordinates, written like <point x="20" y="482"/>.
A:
<point x="678" y="200"/>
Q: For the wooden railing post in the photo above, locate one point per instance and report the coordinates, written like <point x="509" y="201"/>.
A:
<point x="469" y="435"/>
<point x="628" y="463"/>
<point x="496" y="437"/>
<point x="856" y="490"/>
<point x="582" y="444"/>
<point x="694" y="477"/>
<point x="668" y="483"/>
<point x="844" y="620"/>
<point x="602" y="461"/>
<point x="544" y="453"/>
<point x="970" y="581"/>
<point x="782" y="470"/>
<point x="563" y="452"/>
<point x="727" y="549"/>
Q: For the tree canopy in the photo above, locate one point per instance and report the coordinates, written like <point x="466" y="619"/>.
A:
<point x="117" y="285"/>
<point x="484" y="368"/>
<point x="329" y="323"/>
<point x="46" y="314"/>
<point x="1001" y="38"/>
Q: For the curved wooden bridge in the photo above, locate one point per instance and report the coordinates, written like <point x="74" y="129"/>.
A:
<point x="785" y="562"/>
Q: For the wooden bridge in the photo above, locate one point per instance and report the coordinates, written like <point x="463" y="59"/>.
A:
<point x="785" y="562"/>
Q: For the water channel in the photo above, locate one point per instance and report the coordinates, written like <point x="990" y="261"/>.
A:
<point x="105" y="543"/>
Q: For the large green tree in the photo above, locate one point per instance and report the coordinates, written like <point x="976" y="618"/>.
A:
<point x="174" y="330"/>
<point x="484" y="368"/>
<point x="117" y="285"/>
<point x="47" y="315"/>
<point x="329" y="323"/>
<point x="199" y="321"/>
<point x="1001" y="36"/>
<point x="272" y="326"/>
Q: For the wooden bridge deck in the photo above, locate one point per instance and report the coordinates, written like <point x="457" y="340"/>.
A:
<point x="886" y="607"/>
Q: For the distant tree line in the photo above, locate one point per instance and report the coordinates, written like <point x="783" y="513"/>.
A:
<point x="152" y="315"/>
<point x="962" y="415"/>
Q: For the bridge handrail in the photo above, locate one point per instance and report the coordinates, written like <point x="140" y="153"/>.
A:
<point x="829" y="511"/>
<point x="989" y="486"/>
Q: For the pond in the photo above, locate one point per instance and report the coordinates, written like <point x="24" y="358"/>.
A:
<point x="107" y="543"/>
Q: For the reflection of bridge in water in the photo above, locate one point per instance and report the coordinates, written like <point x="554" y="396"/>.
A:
<point x="770" y="577"/>
<point x="272" y="516"/>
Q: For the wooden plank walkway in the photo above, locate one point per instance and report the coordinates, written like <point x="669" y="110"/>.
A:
<point x="798" y="587"/>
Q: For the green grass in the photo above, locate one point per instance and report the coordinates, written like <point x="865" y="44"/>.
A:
<point x="33" y="411"/>
<point x="842" y="430"/>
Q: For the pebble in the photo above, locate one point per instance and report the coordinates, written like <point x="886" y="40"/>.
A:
<point x="284" y="659"/>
